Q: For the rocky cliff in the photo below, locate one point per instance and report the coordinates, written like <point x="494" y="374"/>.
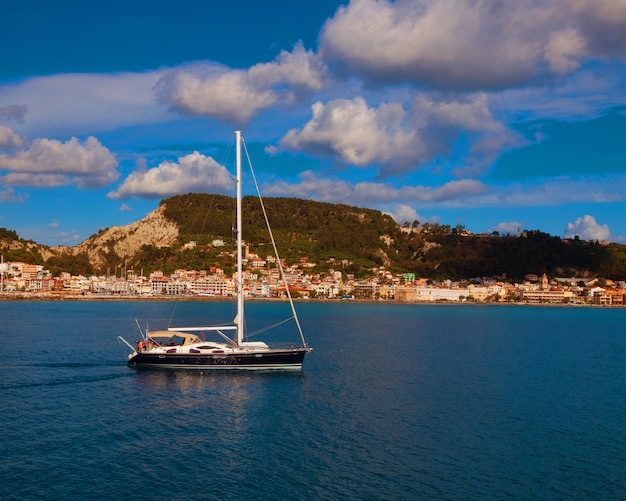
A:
<point x="155" y="229"/>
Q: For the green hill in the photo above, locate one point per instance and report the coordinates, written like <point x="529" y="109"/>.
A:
<point x="353" y="239"/>
<point x="323" y="232"/>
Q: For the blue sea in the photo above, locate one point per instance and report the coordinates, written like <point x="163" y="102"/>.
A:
<point x="395" y="402"/>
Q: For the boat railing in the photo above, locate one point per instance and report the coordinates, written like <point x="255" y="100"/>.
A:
<point x="284" y="345"/>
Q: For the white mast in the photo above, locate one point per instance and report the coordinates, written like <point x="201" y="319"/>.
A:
<point x="240" y="314"/>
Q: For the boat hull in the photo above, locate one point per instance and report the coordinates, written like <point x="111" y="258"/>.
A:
<point x="279" y="359"/>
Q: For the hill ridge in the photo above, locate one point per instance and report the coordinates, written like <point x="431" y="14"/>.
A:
<point x="357" y="240"/>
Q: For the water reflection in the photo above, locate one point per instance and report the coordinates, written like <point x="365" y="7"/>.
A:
<point x="239" y="395"/>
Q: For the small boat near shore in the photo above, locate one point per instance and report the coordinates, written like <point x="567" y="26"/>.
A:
<point x="190" y="348"/>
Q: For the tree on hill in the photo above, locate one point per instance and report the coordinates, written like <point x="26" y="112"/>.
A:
<point x="8" y="235"/>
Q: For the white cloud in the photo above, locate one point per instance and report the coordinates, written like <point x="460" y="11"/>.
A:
<point x="586" y="228"/>
<point x="508" y="227"/>
<point x="464" y="193"/>
<point x="8" y="195"/>
<point x="214" y="91"/>
<point x="236" y="96"/>
<point x="300" y="69"/>
<point x="125" y="208"/>
<point x="367" y="193"/>
<point x="399" y="141"/>
<point x="48" y="162"/>
<point x="68" y="238"/>
<point x="9" y="139"/>
<point x="194" y="172"/>
<point x="77" y="104"/>
<point x="405" y="214"/>
<point x="470" y="44"/>
<point x="562" y="50"/>
<point x="355" y="134"/>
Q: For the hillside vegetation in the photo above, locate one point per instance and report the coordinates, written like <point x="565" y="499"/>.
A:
<point x="352" y="239"/>
<point x="302" y="228"/>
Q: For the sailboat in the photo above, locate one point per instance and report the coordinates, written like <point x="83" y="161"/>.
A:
<point x="187" y="347"/>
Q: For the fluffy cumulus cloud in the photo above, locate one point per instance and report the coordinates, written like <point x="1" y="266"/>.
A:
<point x="9" y="139"/>
<point x="235" y="96"/>
<point x="508" y="227"/>
<point x="192" y="173"/>
<point x="398" y="140"/>
<point x="472" y="43"/>
<point x="587" y="228"/>
<point x="355" y="133"/>
<point x="406" y="214"/>
<point x="48" y="162"/>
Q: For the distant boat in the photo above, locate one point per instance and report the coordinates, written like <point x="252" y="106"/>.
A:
<point x="187" y="347"/>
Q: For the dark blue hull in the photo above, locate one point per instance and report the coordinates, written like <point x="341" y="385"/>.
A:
<point x="277" y="359"/>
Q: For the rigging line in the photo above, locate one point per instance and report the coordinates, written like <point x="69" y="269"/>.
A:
<point x="269" y="229"/>
<point x="169" y="324"/>
<point x="269" y="327"/>
<point x="226" y="338"/>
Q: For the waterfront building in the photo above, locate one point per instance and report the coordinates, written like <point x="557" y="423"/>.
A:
<point x="548" y="296"/>
<point x="210" y="284"/>
<point x="609" y="297"/>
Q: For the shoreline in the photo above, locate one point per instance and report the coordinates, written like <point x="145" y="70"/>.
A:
<point x="30" y="296"/>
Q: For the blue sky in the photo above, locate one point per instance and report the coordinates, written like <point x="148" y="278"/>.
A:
<point x="494" y="115"/>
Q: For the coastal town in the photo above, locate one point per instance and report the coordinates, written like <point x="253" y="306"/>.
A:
<point x="20" y="280"/>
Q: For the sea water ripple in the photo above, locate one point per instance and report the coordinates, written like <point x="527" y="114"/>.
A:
<point x="395" y="402"/>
